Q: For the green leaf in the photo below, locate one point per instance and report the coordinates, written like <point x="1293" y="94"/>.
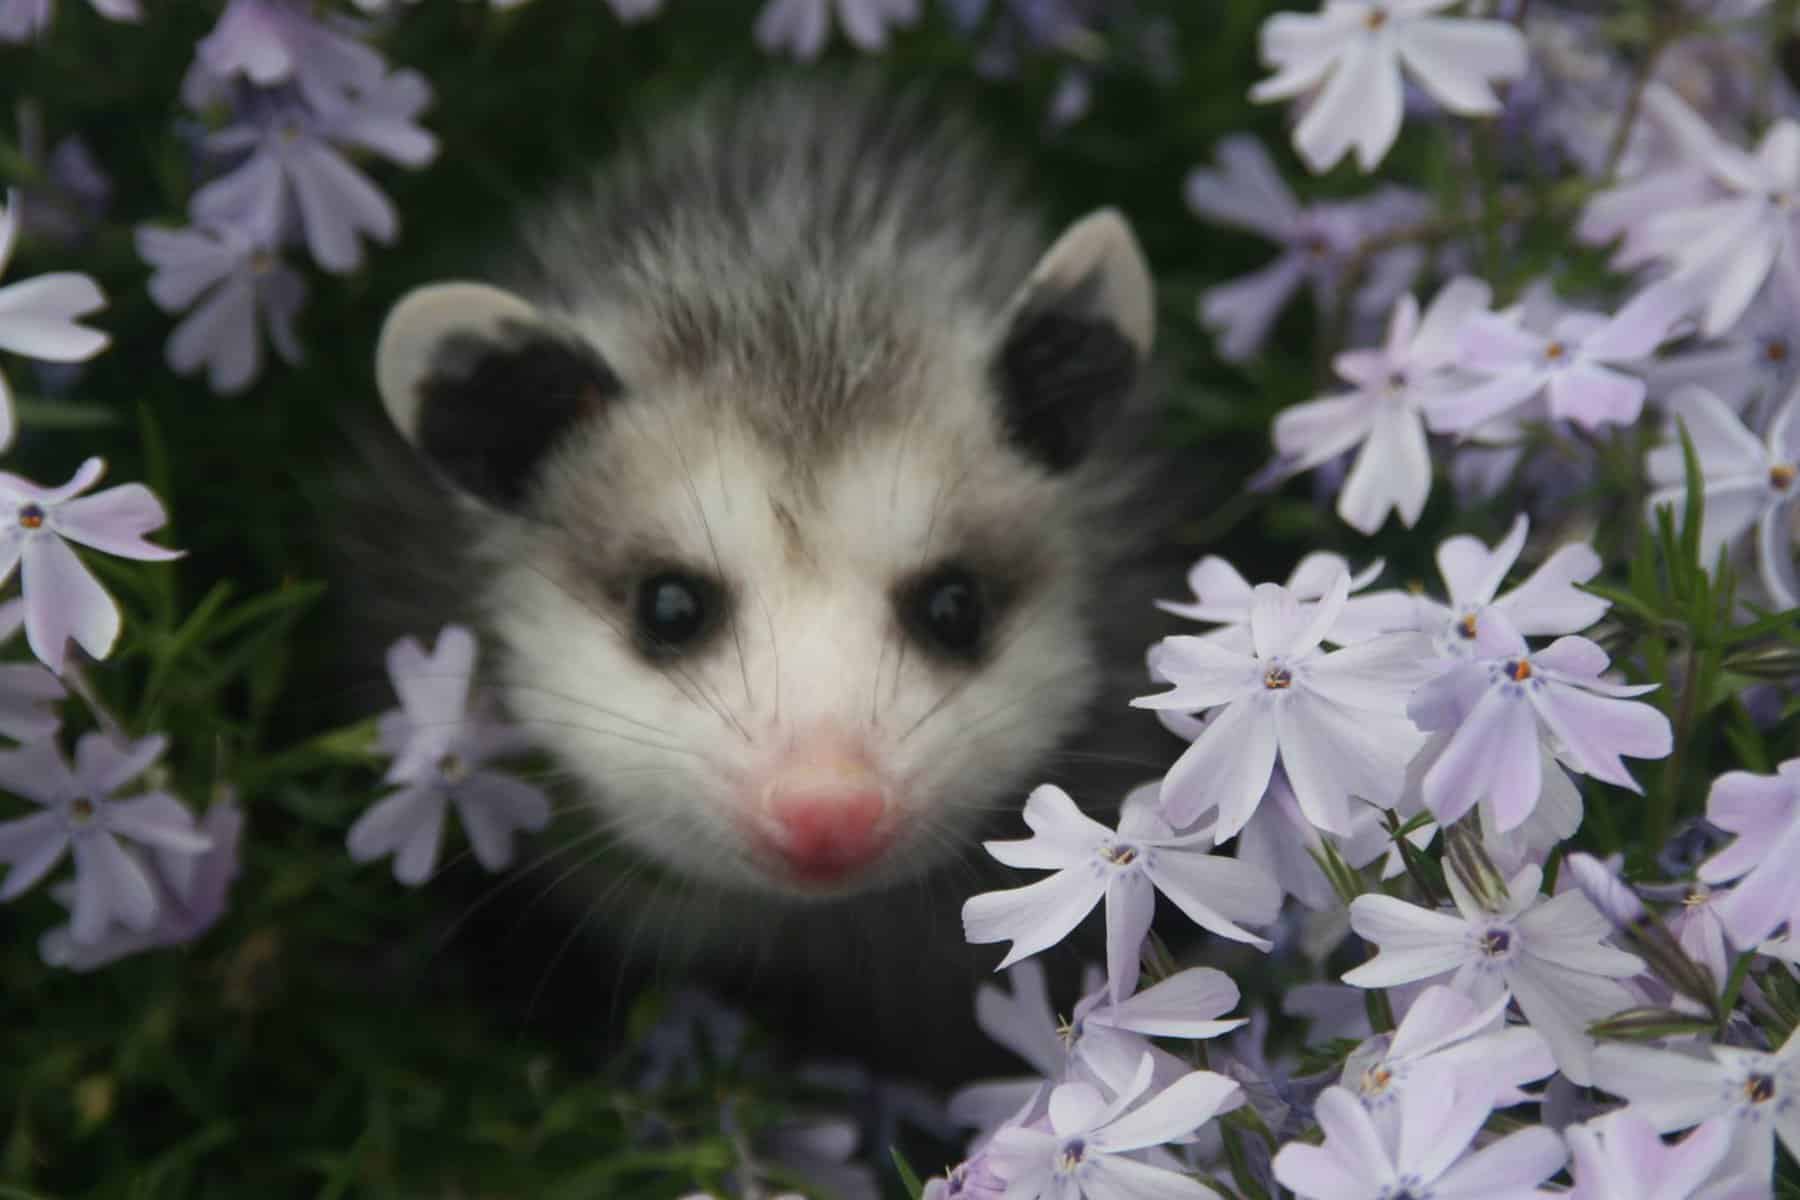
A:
<point x="909" y="1179"/>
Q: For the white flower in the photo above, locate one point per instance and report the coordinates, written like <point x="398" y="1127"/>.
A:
<point x="1620" y="1157"/>
<point x="63" y="600"/>
<point x="1332" y="718"/>
<point x="1223" y="597"/>
<point x="38" y="316"/>
<point x="1085" y="1152"/>
<point x="1353" y="51"/>
<point x="1127" y="868"/>
<point x="26" y="689"/>
<point x="440" y="737"/>
<point x="1764" y="812"/>
<point x="1547" y="951"/>
<point x="1746" y="482"/>
<point x="1384" y="415"/>
<point x="1755" y="1093"/>
<point x="1426" y="1157"/>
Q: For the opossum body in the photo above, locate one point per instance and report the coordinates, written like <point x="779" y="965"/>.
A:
<point x="785" y="459"/>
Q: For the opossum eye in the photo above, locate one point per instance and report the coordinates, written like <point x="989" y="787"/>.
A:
<point x="947" y="611"/>
<point x="675" y="609"/>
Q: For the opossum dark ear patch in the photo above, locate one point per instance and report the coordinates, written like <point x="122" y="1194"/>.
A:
<point x="476" y="380"/>
<point x="1080" y="329"/>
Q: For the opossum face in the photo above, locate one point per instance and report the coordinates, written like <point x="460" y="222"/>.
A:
<point x="793" y="630"/>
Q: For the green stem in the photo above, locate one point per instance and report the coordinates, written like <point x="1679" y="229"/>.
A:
<point x="1667" y="804"/>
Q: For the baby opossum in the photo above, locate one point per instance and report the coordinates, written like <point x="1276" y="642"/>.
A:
<point x="786" y="478"/>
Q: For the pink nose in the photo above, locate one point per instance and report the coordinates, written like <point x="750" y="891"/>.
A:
<point x="823" y="836"/>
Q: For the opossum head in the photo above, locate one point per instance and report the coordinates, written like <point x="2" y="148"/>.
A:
<point x="794" y="593"/>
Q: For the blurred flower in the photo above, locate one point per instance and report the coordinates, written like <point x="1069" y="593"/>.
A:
<point x="1754" y="367"/>
<point x="1426" y="1155"/>
<point x="1505" y="700"/>
<point x="1763" y="811"/>
<point x="272" y="42"/>
<point x="38" y="316"/>
<point x="1332" y="718"/>
<point x="1549" y="952"/>
<point x="1752" y="1093"/>
<point x="62" y="598"/>
<point x="1547" y="603"/>
<point x="1224" y="597"/>
<point x="1576" y="364"/>
<point x="1318" y="242"/>
<point x="78" y="814"/>
<point x="1384" y="416"/>
<point x="440" y="737"/>
<point x="191" y="891"/>
<point x="26" y="20"/>
<point x="1350" y="55"/>
<point x="1127" y="869"/>
<point x="241" y="279"/>
<point x="1746" y="481"/>
<point x="1621" y="1157"/>
<point x="1084" y="1152"/>
<point x="800" y="27"/>
<point x="74" y="190"/>
<point x="26" y="689"/>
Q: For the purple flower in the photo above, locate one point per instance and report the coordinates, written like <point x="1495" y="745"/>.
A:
<point x="38" y="316"/>
<point x="1317" y="241"/>
<point x="800" y="27"/>
<point x="1549" y="952"/>
<point x="1754" y="367"/>
<point x="1764" y="812"/>
<point x="1504" y="701"/>
<point x="1621" y="1157"/>
<point x="1747" y="481"/>
<point x="27" y="20"/>
<point x="241" y="280"/>
<point x="1127" y="868"/>
<point x="26" y="689"/>
<point x="271" y="42"/>
<point x="78" y="815"/>
<point x="1086" y="1150"/>
<point x="191" y="891"/>
<point x="1350" y="56"/>
<point x="1426" y="1155"/>
<point x="1331" y="718"/>
<point x="1547" y="603"/>
<point x="1384" y="416"/>
<point x="63" y="600"/>
<point x="1224" y="597"/>
<point x="1576" y="364"/>
<point x="439" y="738"/>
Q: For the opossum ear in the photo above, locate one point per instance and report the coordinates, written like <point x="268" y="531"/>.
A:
<point x="483" y="386"/>
<point x="1078" y="331"/>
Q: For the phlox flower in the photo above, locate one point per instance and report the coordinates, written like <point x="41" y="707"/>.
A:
<point x="1223" y="597"/>
<point x="1086" y="1150"/>
<point x="27" y="20"/>
<point x="78" y="815"/>
<point x="234" y="284"/>
<point x="26" y="689"/>
<point x="1447" y="1035"/>
<point x="1331" y="718"/>
<point x="1352" y="53"/>
<point x="1280" y="841"/>
<point x="62" y="598"/>
<point x="38" y="316"/>
<point x="1763" y="811"/>
<point x="440" y="739"/>
<point x="1383" y="416"/>
<point x="1753" y="1093"/>
<point x="272" y="42"/>
<point x="1425" y="1155"/>
<point x="1621" y="1157"/>
<point x="1549" y="952"/>
<point x="1577" y="364"/>
<point x="1317" y="242"/>
<point x="1747" y="481"/>
<point x="800" y="27"/>
<point x="1502" y="703"/>
<point x="1546" y="603"/>
<point x="1554" y="819"/>
<point x="191" y="894"/>
<point x="1753" y="367"/>
<point x="1126" y="868"/>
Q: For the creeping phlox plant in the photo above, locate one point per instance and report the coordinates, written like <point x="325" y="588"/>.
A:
<point x="1498" y="834"/>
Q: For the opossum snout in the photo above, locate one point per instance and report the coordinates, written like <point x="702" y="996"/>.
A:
<point x="824" y="813"/>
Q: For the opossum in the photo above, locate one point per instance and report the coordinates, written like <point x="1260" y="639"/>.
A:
<point x="789" y="477"/>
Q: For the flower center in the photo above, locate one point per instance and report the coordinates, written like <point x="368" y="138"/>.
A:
<point x="1375" y="1080"/>
<point x="1555" y="352"/>
<point x="1278" y="678"/>
<point x="453" y="768"/>
<point x="81" y="810"/>
<point x="1377" y="18"/>
<point x="1782" y="475"/>
<point x="1466" y="627"/>
<point x="1518" y="670"/>
<point x="1315" y="246"/>
<point x="1759" y="1089"/>
<point x="1776" y="350"/>
<point x="1119" y="855"/>
<point x="261" y="262"/>
<point x="31" y="516"/>
<point x="1070" y="1156"/>
<point x="1696" y="896"/>
<point x="1496" y="942"/>
<point x="1069" y="1030"/>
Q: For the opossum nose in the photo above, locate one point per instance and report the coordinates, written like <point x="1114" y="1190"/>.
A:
<point x="825" y="836"/>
